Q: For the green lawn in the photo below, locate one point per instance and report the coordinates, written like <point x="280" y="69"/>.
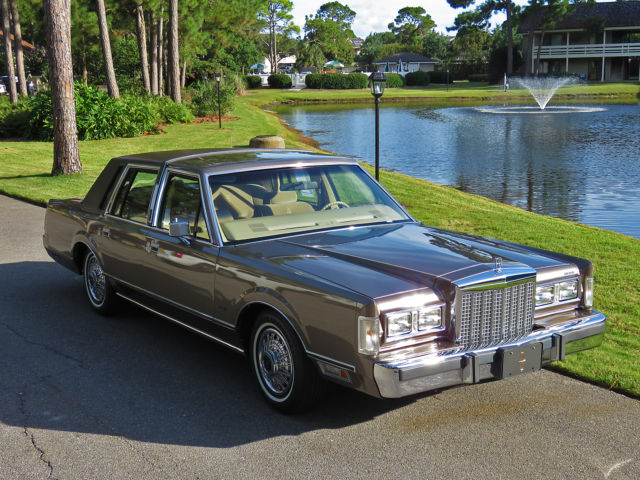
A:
<point x="25" y="167"/>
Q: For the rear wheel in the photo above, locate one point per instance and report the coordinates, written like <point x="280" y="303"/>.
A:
<point x="288" y="380"/>
<point x="100" y="293"/>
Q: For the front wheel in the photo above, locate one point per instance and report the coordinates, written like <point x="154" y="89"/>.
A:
<point x="100" y="293"/>
<point x="287" y="378"/>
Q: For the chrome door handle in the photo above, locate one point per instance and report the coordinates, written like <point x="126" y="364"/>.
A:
<point x="106" y="232"/>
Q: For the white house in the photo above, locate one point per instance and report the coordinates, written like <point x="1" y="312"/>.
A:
<point x="598" y="42"/>
<point x="406" y="62"/>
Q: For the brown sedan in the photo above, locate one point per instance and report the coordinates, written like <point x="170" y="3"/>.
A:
<point x="306" y="265"/>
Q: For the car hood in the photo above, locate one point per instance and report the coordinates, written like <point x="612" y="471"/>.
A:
<point x="384" y="260"/>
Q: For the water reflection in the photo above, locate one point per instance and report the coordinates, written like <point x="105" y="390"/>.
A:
<point x="579" y="166"/>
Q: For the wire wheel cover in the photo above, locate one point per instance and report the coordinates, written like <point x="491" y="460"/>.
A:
<point x="95" y="280"/>
<point x="274" y="363"/>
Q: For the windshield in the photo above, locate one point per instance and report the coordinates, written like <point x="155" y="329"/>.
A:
<point x="266" y="203"/>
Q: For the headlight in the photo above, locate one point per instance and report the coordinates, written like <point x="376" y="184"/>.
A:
<point x="369" y="335"/>
<point x="429" y="318"/>
<point x="544" y="295"/>
<point x="567" y="290"/>
<point x="557" y="292"/>
<point x="398" y="323"/>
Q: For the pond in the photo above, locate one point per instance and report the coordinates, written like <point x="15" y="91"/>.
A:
<point x="583" y="167"/>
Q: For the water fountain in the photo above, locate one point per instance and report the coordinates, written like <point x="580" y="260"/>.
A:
<point x="542" y="89"/>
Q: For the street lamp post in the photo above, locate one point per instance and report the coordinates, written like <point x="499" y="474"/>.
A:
<point x="377" y="81"/>
<point x="218" y="79"/>
<point x="447" y="79"/>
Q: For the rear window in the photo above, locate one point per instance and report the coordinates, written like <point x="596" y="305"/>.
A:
<point x="134" y="195"/>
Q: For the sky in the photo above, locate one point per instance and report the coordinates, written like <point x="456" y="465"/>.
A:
<point x="375" y="15"/>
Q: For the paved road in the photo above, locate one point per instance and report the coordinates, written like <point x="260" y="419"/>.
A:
<point x="87" y="397"/>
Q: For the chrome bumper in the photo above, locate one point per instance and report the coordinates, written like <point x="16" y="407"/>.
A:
<point x="430" y="372"/>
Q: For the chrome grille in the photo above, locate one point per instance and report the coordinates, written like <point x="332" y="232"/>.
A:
<point x="495" y="316"/>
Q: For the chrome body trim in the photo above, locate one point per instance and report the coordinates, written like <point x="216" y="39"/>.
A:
<point x="331" y="361"/>
<point x="433" y="371"/>
<point x="175" y="304"/>
<point x="193" y="329"/>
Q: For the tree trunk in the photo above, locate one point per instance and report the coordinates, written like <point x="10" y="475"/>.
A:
<point x="161" y="56"/>
<point x="174" y="52"/>
<point x="528" y="57"/>
<point x="85" y="73"/>
<point x="66" y="158"/>
<point x="142" y="46"/>
<point x="509" y="40"/>
<point x="17" y="38"/>
<point x="154" y="55"/>
<point x="183" y="75"/>
<point x="8" y="51"/>
<point x="112" y="85"/>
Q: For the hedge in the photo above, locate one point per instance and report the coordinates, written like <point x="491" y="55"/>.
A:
<point x="417" y="79"/>
<point x="253" y="81"/>
<point x="394" y="80"/>
<point x="279" y="80"/>
<point x="336" y="81"/>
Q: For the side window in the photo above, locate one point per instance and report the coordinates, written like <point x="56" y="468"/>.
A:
<point x="182" y="202"/>
<point x="132" y="201"/>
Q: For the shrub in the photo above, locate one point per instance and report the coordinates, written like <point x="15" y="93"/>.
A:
<point x="253" y="81"/>
<point x="204" y="97"/>
<point x="417" y="79"/>
<point x="279" y="80"/>
<point x="441" y="77"/>
<point x="168" y="111"/>
<point x="478" y="77"/>
<point x="394" y="80"/>
<point x="334" y="81"/>
<point x="313" y="80"/>
<point x="14" y="118"/>
<point x="357" y="80"/>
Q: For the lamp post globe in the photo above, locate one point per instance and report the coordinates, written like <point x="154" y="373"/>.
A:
<point x="377" y="81"/>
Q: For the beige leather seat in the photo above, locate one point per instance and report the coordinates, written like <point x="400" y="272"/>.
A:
<point x="285" y="203"/>
<point x="230" y="201"/>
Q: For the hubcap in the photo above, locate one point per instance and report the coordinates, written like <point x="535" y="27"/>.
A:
<point x="95" y="280"/>
<point x="274" y="362"/>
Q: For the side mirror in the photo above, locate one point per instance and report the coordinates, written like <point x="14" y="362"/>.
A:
<point x="179" y="229"/>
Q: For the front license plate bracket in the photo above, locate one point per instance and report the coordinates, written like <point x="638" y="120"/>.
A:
<point x="519" y="360"/>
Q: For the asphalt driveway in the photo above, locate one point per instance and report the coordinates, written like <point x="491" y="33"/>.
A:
<point x="133" y="396"/>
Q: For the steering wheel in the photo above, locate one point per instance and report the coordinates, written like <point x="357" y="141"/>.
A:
<point x="337" y="203"/>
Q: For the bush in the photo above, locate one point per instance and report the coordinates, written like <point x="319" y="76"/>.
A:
<point x="204" y="97"/>
<point x="279" y="80"/>
<point x="168" y="111"/>
<point x="357" y="80"/>
<point x="253" y="81"/>
<point x="394" y="80"/>
<point x="98" y="115"/>
<point x="441" y="77"/>
<point x="336" y="81"/>
<point x="417" y="79"/>
<point x="478" y="77"/>
<point x="313" y="80"/>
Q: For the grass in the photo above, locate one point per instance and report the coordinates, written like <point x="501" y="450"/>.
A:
<point x="25" y="168"/>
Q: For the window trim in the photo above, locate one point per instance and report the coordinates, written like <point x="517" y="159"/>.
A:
<point x="123" y="175"/>
<point x="155" y="216"/>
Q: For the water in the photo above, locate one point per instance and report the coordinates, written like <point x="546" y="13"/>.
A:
<point x="583" y="167"/>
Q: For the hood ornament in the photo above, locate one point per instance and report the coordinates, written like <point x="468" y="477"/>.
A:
<point x="497" y="266"/>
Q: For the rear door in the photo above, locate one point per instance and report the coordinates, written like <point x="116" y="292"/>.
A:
<point x="122" y="237"/>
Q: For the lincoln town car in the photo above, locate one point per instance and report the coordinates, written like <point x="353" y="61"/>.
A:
<point x="307" y="266"/>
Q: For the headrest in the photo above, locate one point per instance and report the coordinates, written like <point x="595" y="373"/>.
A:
<point x="284" y="196"/>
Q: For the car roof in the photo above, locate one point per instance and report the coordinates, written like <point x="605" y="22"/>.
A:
<point x="228" y="160"/>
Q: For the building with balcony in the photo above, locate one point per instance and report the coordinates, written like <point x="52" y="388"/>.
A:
<point x="405" y="62"/>
<point x="598" y="42"/>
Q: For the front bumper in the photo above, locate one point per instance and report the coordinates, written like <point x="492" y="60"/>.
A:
<point x="433" y="371"/>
